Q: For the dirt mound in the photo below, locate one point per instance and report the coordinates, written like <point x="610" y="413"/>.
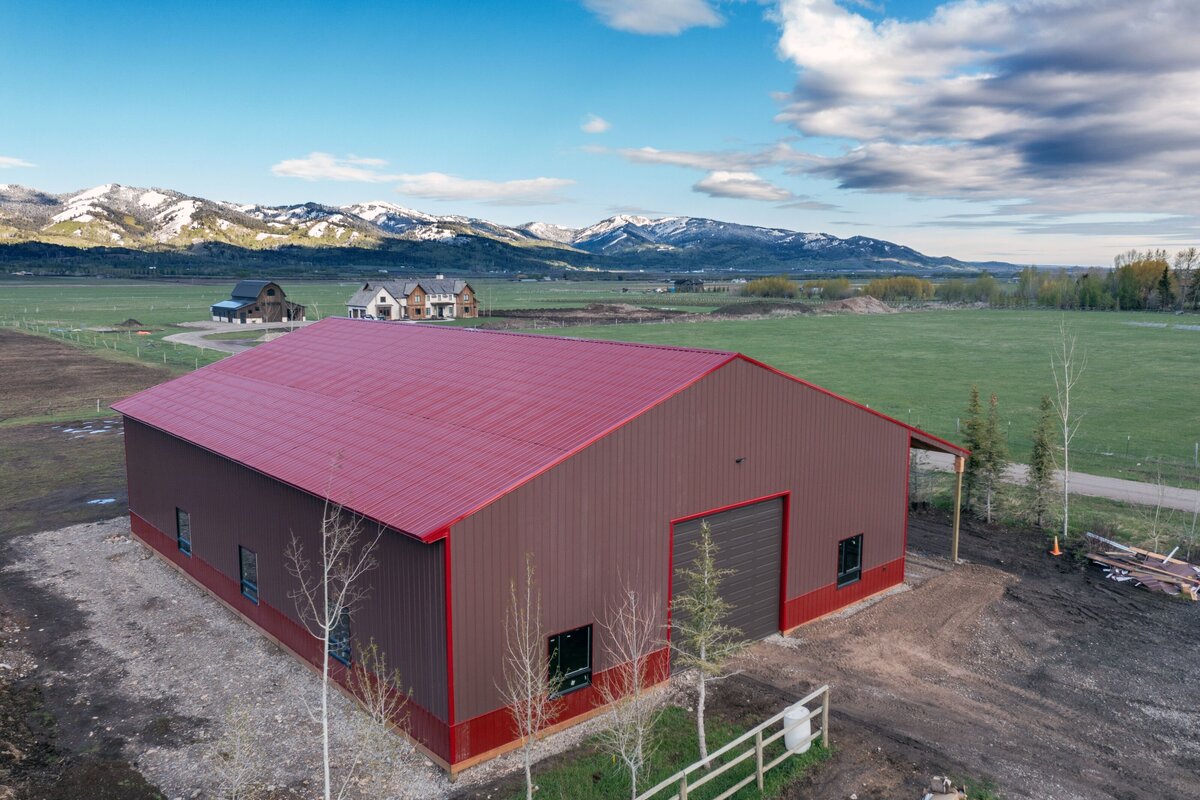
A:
<point x="131" y="323"/>
<point x="593" y="314"/>
<point x="856" y="305"/>
<point x="755" y="307"/>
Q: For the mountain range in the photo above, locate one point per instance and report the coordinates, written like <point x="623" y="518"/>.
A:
<point x="123" y="218"/>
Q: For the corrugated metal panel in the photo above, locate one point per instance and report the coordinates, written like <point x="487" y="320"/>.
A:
<point x="231" y="506"/>
<point x="813" y="604"/>
<point x="749" y="542"/>
<point x="602" y="518"/>
<point x="410" y="425"/>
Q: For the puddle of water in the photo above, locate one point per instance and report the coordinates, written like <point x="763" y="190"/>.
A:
<point x="101" y="501"/>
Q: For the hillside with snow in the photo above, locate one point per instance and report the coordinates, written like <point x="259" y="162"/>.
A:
<point x="164" y="220"/>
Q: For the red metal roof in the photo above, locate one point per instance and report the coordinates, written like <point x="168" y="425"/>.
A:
<point x="414" y="426"/>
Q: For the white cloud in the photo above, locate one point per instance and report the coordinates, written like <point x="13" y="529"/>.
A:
<point x="8" y="162"/>
<point x="324" y="166"/>
<point x="429" y="185"/>
<point x="1056" y="103"/>
<point x="710" y="161"/>
<point x="742" y="186"/>
<point x="440" y="186"/>
<point x="655" y="16"/>
<point x="595" y="124"/>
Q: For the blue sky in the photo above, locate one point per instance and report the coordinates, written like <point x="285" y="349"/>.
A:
<point x="1008" y="129"/>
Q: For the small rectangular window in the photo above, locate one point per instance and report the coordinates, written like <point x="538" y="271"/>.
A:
<point x="849" y="560"/>
<point x="339" y="639"/>
<point x="571" y="659"/>
<point x="249" y="567"/>
<point x="183" y="531"/>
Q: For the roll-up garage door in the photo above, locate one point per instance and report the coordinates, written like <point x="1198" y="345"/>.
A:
<point x="749" y="542"/>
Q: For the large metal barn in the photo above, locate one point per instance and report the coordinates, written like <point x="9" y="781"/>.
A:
<point x="473" y="449"/>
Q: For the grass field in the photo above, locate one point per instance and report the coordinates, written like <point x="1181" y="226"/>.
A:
<point x="1138" y="393"/>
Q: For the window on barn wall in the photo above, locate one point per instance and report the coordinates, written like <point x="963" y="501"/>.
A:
<point x="339" y="639"/>
<point x="270" y="292"/>
<point x="248" y="561"/>
<point x="183" y="531"/>
<point x="571" y="659"/>
<point x="849" y="560"/>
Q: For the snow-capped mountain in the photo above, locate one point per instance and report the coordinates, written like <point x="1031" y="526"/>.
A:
<point x="134" y="218"/>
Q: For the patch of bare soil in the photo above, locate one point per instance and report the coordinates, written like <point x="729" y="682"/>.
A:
<point x="42" y="376"/>
<point x="763" y="308"/>
<point x="1032" y="671"/>
<point x="863" y="304"/>
<point x="593" y="314"/>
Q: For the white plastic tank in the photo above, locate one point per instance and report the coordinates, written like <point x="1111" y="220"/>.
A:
<point x="796" y="737"/>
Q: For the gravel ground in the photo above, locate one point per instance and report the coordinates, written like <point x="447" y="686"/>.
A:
<point x="179" y="675"/>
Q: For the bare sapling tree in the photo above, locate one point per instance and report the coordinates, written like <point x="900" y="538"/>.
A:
<point x="632" y="632"/>
<point x="1156" y="515"/>
<point x="1189" y="538"/>
<point x="236" y="757"/>
<point x="701" y="638"/>
<point x="330" y="590"/>
<point x="528" y="687"/>
<point x="379" y="753"/>
<point x="1066" y="365"/>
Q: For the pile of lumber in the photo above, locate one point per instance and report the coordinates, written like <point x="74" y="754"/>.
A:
<point x="1153" y="571"/>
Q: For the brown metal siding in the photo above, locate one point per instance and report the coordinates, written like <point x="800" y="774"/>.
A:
<point x="602" y="517"/>
<point x="231" y="505"/>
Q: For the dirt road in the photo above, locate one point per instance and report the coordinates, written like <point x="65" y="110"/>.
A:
<point x="195" y="338"/>
<point x="1101" y="486"/>
<point x="1036" y="672"/>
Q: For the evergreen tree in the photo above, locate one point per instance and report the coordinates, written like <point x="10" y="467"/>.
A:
<point x="993" y="458"/>
<point x="1166" y="295"/>
<point x="973" y="434"/>
<point x="1040" y="479"/>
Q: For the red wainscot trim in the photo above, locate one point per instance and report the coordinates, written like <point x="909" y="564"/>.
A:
<point x="488" y="735"/>
<point x="429" y="733"/>
<point x="829" y="598"/>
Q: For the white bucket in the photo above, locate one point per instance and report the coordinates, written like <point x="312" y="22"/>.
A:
<point x="797" y="738"/>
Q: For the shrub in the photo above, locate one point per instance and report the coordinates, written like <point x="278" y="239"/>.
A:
<point x="773" y="286"/>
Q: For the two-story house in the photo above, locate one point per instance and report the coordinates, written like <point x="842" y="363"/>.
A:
<point x="425" y="299"/>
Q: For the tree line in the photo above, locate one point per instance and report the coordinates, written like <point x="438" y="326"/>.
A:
<point x="1149" y="280"/>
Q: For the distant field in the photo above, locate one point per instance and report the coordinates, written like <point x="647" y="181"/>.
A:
<point x="1139" y="393"/>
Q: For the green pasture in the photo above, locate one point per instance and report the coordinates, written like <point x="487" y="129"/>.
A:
<point x="1139" y="396"/>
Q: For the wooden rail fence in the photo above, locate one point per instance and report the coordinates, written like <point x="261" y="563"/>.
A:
<point x="751" y="744"/>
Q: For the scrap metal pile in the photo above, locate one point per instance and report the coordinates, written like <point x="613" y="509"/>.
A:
<point x="1153" y="571"/>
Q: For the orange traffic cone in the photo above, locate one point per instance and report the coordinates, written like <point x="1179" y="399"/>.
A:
<point x="1056" y="551"/>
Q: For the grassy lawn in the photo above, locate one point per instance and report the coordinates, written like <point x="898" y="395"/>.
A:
<point x="1138" y="393"/>
<point x="590" y="774"/>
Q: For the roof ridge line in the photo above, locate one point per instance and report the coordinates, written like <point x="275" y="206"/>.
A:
<point x="547" y="336"/>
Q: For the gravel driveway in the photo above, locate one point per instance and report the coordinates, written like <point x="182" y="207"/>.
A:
<point x="203" y="328"/>
<point x="156" y="669"/>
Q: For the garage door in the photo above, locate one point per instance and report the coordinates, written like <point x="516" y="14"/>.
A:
<point x="749" y="541"/>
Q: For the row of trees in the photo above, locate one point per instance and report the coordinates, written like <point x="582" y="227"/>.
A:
<point x="633" y="632"/>
<point x="1053" y="432"/>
